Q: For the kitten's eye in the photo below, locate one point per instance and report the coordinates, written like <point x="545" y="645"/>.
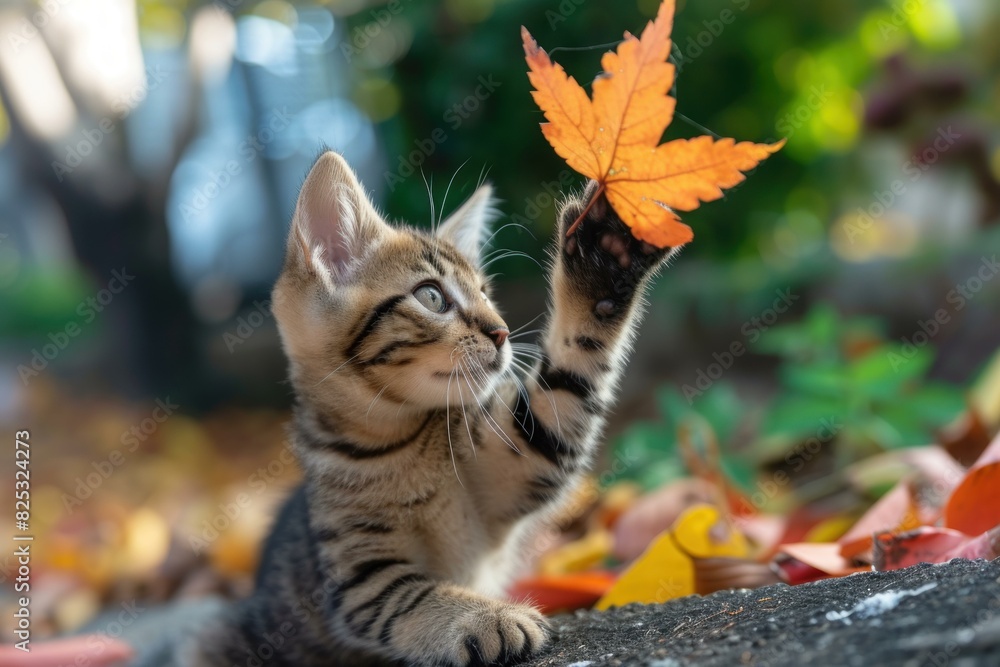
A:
<point x="431" y="298"/>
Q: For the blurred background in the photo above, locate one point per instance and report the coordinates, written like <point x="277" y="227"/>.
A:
<point x="151" y="153"/>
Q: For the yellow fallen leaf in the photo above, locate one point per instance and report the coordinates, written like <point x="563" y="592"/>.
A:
<point x="665" y="570"/>
<point x="661" y="573"/>
<point x="583" y="554"/>
<point x="702" y="532"/>
<point x="830" y="530"/>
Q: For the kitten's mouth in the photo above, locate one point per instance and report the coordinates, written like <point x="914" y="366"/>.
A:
<point x="493" y="366"/>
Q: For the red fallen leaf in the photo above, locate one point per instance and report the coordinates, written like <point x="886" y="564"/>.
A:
<point x="922" y="545"/>
<point x="795" y="572"/>
<point x="974" y="507"/>
<point x="563" y="592"/>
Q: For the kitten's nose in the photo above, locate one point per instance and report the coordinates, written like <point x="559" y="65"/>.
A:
<point x="499" y="335"/>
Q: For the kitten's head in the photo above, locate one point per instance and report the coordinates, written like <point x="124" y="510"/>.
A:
<point x="366" y="308"/>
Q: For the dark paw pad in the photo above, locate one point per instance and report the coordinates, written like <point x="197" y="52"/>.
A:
<point x="602" y="255"/>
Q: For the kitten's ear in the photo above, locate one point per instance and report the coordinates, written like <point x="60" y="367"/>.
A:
<point x="335" y="225"/>
<point x="469" y="227"/>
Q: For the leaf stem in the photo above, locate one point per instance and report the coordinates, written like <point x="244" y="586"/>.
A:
<point x="590" y="205"/>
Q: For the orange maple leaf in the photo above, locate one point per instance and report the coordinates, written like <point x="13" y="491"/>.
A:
<point x="615" y="138"/>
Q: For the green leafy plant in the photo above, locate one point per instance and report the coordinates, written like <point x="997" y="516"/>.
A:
<point x="651" y="449"/>
<point x="839" y="379"/>
<point x="844" y="373"/>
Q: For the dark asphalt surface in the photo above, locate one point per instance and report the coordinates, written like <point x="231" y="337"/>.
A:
<point x="928" y="615"/>
<point x="932" y="615"/>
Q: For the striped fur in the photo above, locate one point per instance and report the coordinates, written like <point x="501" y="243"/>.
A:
<point x="430" y="453"/>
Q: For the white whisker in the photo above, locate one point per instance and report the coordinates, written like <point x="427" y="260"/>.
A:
<point x="328" y="375"/>
<point x="447" y="424"/>
<point x="444" y="201"/>
<point x="524" y="333"/>
<point x="465" y="412"/>
<point x="489" y="240"/>
<point x="490" y="421"/>
<point x="374" y="400"/>
<point x="512" y="253"/>
<point x="430" y="196"/>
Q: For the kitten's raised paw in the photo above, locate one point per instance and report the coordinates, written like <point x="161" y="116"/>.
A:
<point x="602" y="255"/>
<point x="504" y="634"/>
<point x="601" y="224"/>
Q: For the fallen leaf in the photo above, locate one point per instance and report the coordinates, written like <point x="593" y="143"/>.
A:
<point x="663" y="572"/>
<point x="929" y="476"/>
<point x="654" y="513"/>
<point x="801" y="520"/>
<point x="830" y="530"/>
<point x="720" y="574"/>
<point x="986" y="546"/>
<point x="85" y="650"/>
<point x="825" y="558"/>
<point x="615" y="138"/>
<point x="763" y="530"/>
<point x="666" y="570"/>
<point x="922" y="545"/>
<point x="587" y="552"/>
<point x="703" y="532"/>
<point x="887" y="514"/>
<point x="564" y="592"/>
<point x="795" y="572"/>
<point x="974" y="507"/>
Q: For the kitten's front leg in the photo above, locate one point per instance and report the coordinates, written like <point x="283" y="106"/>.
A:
<point x="459" y="627"/>
<point x="388" y="606"/>
<point x="597" y="281"/>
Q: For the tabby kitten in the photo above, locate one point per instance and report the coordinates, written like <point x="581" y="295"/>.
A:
<point x="427" y="460"/>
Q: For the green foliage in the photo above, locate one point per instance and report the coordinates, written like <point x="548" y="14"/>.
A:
<point x="842" y="372"/>
<point x="839" y="379"/>
<point x="45" y="301"/>
<point x="651" y="448"/>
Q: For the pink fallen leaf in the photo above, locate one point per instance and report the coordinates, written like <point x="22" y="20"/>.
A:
<point x="986" y="546"/>
<point x="824" y="557"/>
<point x="94" y="650"/>
<point x="889" y="512"/>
